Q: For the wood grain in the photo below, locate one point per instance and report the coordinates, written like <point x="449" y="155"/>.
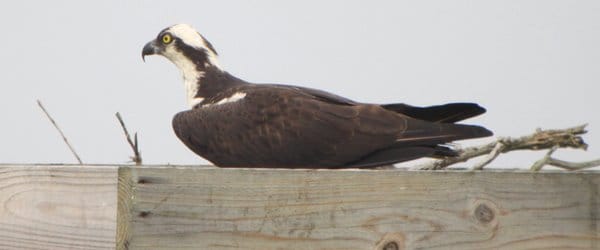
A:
<point x="209" y="208"/>
<point x="75" y="207"/>
<point x="57" y="207"/>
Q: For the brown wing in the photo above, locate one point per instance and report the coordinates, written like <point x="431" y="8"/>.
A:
<point x="270" y="127"/>
<point x="280" y="127"/>
<point x="315" y="93"/>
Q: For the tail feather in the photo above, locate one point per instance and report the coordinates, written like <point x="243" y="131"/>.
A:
<point x="428" y="130"/>
<point x="421" y="142"/>
<point x="420" y="133"/>
<point x="447" y="113"/>
<point x="444" y="151"/>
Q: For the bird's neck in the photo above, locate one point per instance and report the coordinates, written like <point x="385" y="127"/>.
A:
<point x="192" y="82"/>
<point x="206" y="82"/>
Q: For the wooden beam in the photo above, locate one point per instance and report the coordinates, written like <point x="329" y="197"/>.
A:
<point x="209" y="208"/>
<point x="75" y="207"/>
<point x="57" y="207"/>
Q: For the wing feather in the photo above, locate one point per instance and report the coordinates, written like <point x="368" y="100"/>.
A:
<point x="282" y="127"/>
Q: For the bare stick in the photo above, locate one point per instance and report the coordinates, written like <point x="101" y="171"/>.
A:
<point x="541" y="139"/>
<point x="573" y="165"/>
<point x="490" y="157"/>
<point x="59" y="131"/>
<point x="137" y="157"/>
<point x="539" y="164"/>
<point x="548" y="160"/>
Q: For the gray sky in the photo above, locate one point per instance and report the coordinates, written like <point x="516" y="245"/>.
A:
<point x="530" y="63"/>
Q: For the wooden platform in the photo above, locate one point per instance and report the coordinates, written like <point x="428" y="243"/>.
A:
<point x="173" y="207"/>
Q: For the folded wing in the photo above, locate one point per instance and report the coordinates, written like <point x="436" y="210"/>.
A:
<point x="289" y="127"/>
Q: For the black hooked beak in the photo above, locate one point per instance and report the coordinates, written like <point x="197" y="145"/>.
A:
<point x="149" y="49"/>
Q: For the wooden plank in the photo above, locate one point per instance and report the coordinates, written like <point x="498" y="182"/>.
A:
<point x="57" y="207"/>
<point x="209" y="208"/>
<point x="125" y="198"/>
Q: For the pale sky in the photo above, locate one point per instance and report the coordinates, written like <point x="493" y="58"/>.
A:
<point x="530" y="63"/>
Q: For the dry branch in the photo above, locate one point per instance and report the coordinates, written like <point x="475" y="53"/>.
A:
<point x="497" y="150"/>
<point x="59" y="131"/>
<point x="541" y="139"/>
<point x="137" y="157"/>
<point x="549" y="160"/>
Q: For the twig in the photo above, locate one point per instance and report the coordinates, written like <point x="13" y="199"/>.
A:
<point x="541" y="139"/>
<point x="497" y="150"/>
<point x="549" y="160"/>
<point x="137" y="157"/>
<point x="539" y="164"/>
<point x="59" y="131"/>
<point x="573" y="165"/>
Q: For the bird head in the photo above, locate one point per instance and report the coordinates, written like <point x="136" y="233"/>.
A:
<point x="183" y="46"/>
<point x="190" y="52"/>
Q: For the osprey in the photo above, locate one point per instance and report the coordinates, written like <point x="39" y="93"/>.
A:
<point x="234" y="123"/>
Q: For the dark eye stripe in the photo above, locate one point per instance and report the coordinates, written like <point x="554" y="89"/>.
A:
<point x="197" y="55"/>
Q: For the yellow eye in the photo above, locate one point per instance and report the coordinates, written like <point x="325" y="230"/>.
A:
<point x="166" y="38"/>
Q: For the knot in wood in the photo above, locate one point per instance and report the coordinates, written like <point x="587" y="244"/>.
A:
<point x="484" y="214"/>
<point x="392" y="245"/>
<point x="144" y="214"/>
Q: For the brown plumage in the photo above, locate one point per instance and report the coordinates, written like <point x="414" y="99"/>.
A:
<point x="294" y="127"/>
